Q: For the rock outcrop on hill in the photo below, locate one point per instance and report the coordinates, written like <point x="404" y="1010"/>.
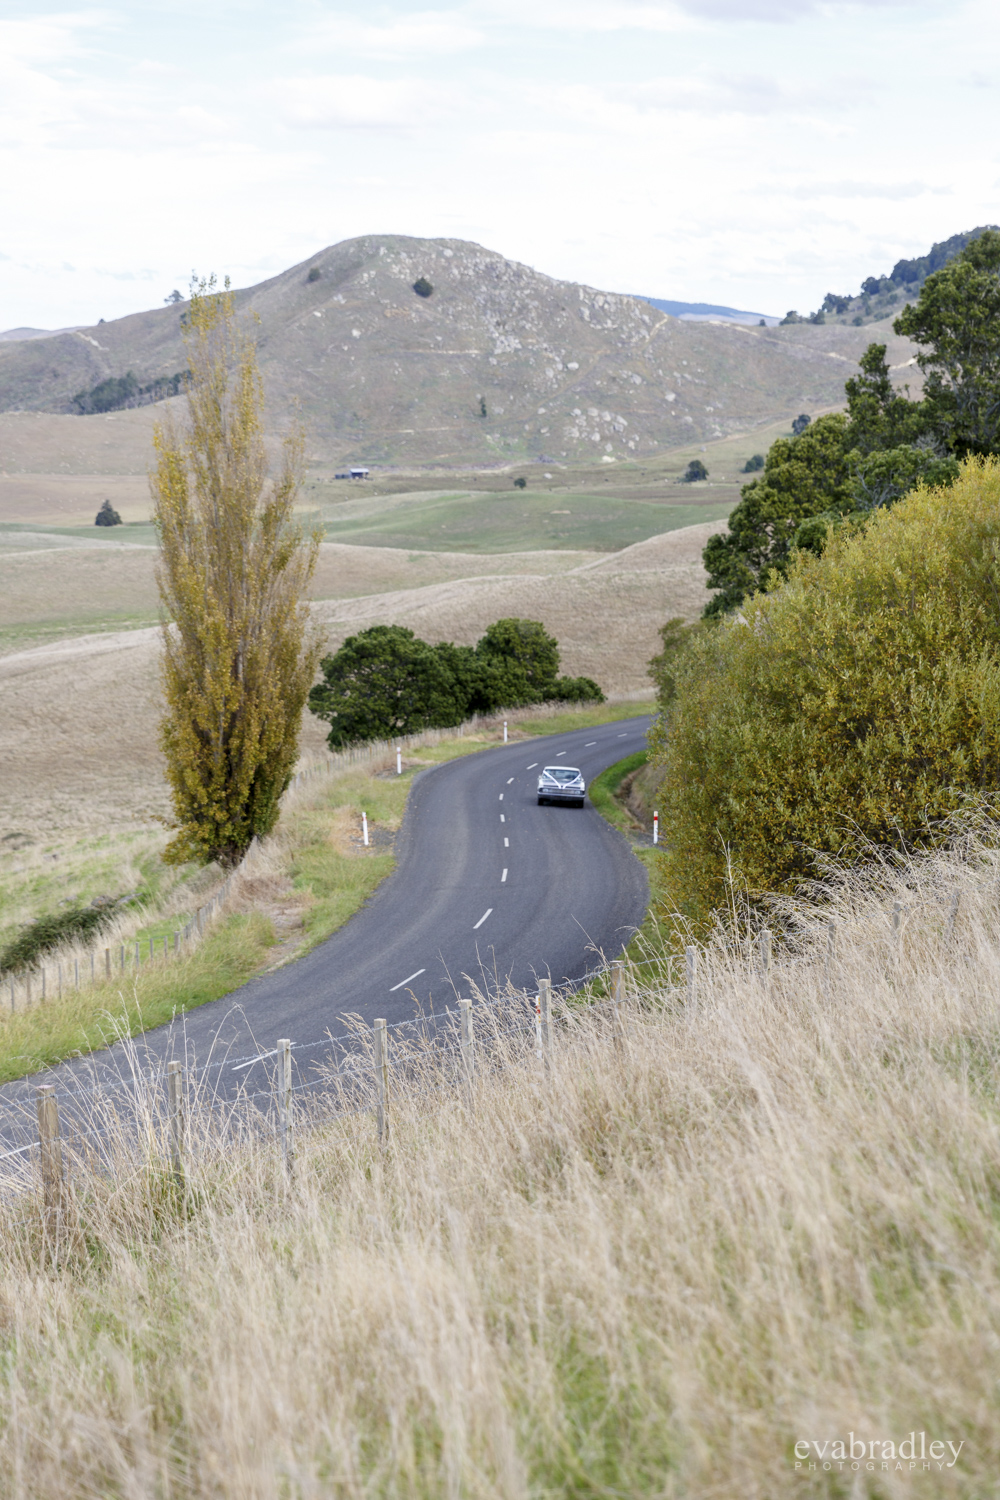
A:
<point x="495" y="363"/>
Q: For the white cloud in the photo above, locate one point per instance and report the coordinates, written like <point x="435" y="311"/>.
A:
<point x="427" y="33"/>
<point x="893" y="192"/>
<point x="352" y="100"/>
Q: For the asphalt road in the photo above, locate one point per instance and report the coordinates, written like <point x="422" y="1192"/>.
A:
<point x="489" y="890"/>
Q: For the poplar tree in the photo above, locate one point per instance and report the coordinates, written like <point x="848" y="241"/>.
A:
<point x="238" y="655"/>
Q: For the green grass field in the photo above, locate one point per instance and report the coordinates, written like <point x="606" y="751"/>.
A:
<point x="518" y="521"/>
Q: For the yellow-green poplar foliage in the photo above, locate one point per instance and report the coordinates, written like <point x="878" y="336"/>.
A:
<point x="238" y="659"/>
<point x="860" y="701"/>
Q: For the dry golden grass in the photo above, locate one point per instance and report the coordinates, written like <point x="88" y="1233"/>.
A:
<point x="78" y="718"/>
<point x="767" y="1219"/>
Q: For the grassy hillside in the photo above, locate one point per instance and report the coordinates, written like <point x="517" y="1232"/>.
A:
<point x="380" y="374"/>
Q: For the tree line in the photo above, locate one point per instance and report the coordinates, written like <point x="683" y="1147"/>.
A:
<point x="843" y="468"/>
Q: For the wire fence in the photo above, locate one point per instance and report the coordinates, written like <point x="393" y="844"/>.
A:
<point x="183" y="1113"/>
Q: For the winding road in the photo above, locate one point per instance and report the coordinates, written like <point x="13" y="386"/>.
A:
<point x="489" y="890"/>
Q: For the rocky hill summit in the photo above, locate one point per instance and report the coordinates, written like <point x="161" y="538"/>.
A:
<point x="402" y="350"/>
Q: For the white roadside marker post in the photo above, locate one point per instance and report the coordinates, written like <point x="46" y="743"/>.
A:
<point x="399" y="760"/>
<point x="656" y="828"/>
<point x="505" y="731"/>
<point x="364" y="828"/>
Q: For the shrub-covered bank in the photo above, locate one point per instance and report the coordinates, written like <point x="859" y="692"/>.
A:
<point x="858" y="703"/>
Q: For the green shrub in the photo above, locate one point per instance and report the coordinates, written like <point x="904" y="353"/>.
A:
<point x="314" y="273"/>
<point x="520" y="483"/>
<point x="695" y="472"/>
<point x="46" y="933"/>
<point x="386" y="681"/>
<point x="860" y="701"/>
<point x="422" y="287"/>
<point x="107" y="516"/>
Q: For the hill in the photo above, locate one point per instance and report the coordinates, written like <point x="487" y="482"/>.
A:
<point x="885" y="296"/>
<point x="496" y="364"/>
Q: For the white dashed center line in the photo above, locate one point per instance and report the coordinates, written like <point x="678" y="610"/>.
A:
<point x="560" y="752"/>
<point x="534" y="763"/>
<point x="506" y="843"/>
<point x="399" y="986"/>
<point x="589" y="743"/>
<point x="482" y="919"/>
<point x="623" y="736"/>
<point x="502" y="818"/>
<point x="509" y="780"/>
<point x="501" y="796"/>
<point x="503" y="877"/>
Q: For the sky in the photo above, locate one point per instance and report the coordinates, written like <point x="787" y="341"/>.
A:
<point x="754" y="153"/>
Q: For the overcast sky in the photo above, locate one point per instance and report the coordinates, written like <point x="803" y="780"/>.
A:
<point x="756" y="153"/>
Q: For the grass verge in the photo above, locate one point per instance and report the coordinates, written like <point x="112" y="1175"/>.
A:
<point x="85" y="1020"/>
<point x="649" y="947"/>
<point x="314" y="875"/>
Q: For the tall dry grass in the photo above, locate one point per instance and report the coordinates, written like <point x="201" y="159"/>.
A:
<point x="765" y="1218"/>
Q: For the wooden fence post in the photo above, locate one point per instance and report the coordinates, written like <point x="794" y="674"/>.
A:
<point x="175" y="1111"/>
<point x="121" y="958"/>
<point x="468" y="1046"/>
<point x="382" y="1082"/>
<point x="765" y="951"/>
<point x="543" y="1033"/>
<point x="107" y="963"/>
<point x="617" y="998"/>
<point x="138" y="956"/>
<point x="691" y="977"/>
<point x="284" y="1082"/>
<point x="831" y="953"/>
<point x="50" y="1150"/>
<point x="897" y="930"/>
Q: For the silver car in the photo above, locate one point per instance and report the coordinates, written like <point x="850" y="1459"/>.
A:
<point x="561" y="784"/>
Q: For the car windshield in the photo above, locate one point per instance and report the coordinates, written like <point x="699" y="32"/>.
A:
<point x="561" y="773"/>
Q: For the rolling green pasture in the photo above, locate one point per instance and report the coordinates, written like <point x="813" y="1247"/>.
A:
<point x="518" y="521"/>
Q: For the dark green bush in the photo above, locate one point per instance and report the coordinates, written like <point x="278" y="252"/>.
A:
<point x="107" y="516"/>
<point x="858" y="702"/>
<point x="520" y="483"/>
<point x="695" y="472"/>
<point x="753" y="464"/>
<point x="46" y="933"/>
<point x="422" y="287"/>
<point x="314" y="273"/>
<point x="386" y="681"/>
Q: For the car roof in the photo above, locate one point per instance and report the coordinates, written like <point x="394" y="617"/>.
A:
<point x="574" y="769"/>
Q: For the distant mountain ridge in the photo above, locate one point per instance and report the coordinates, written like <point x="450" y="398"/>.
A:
<point x="397" y="350"/>
<point x="697" y="311"/>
